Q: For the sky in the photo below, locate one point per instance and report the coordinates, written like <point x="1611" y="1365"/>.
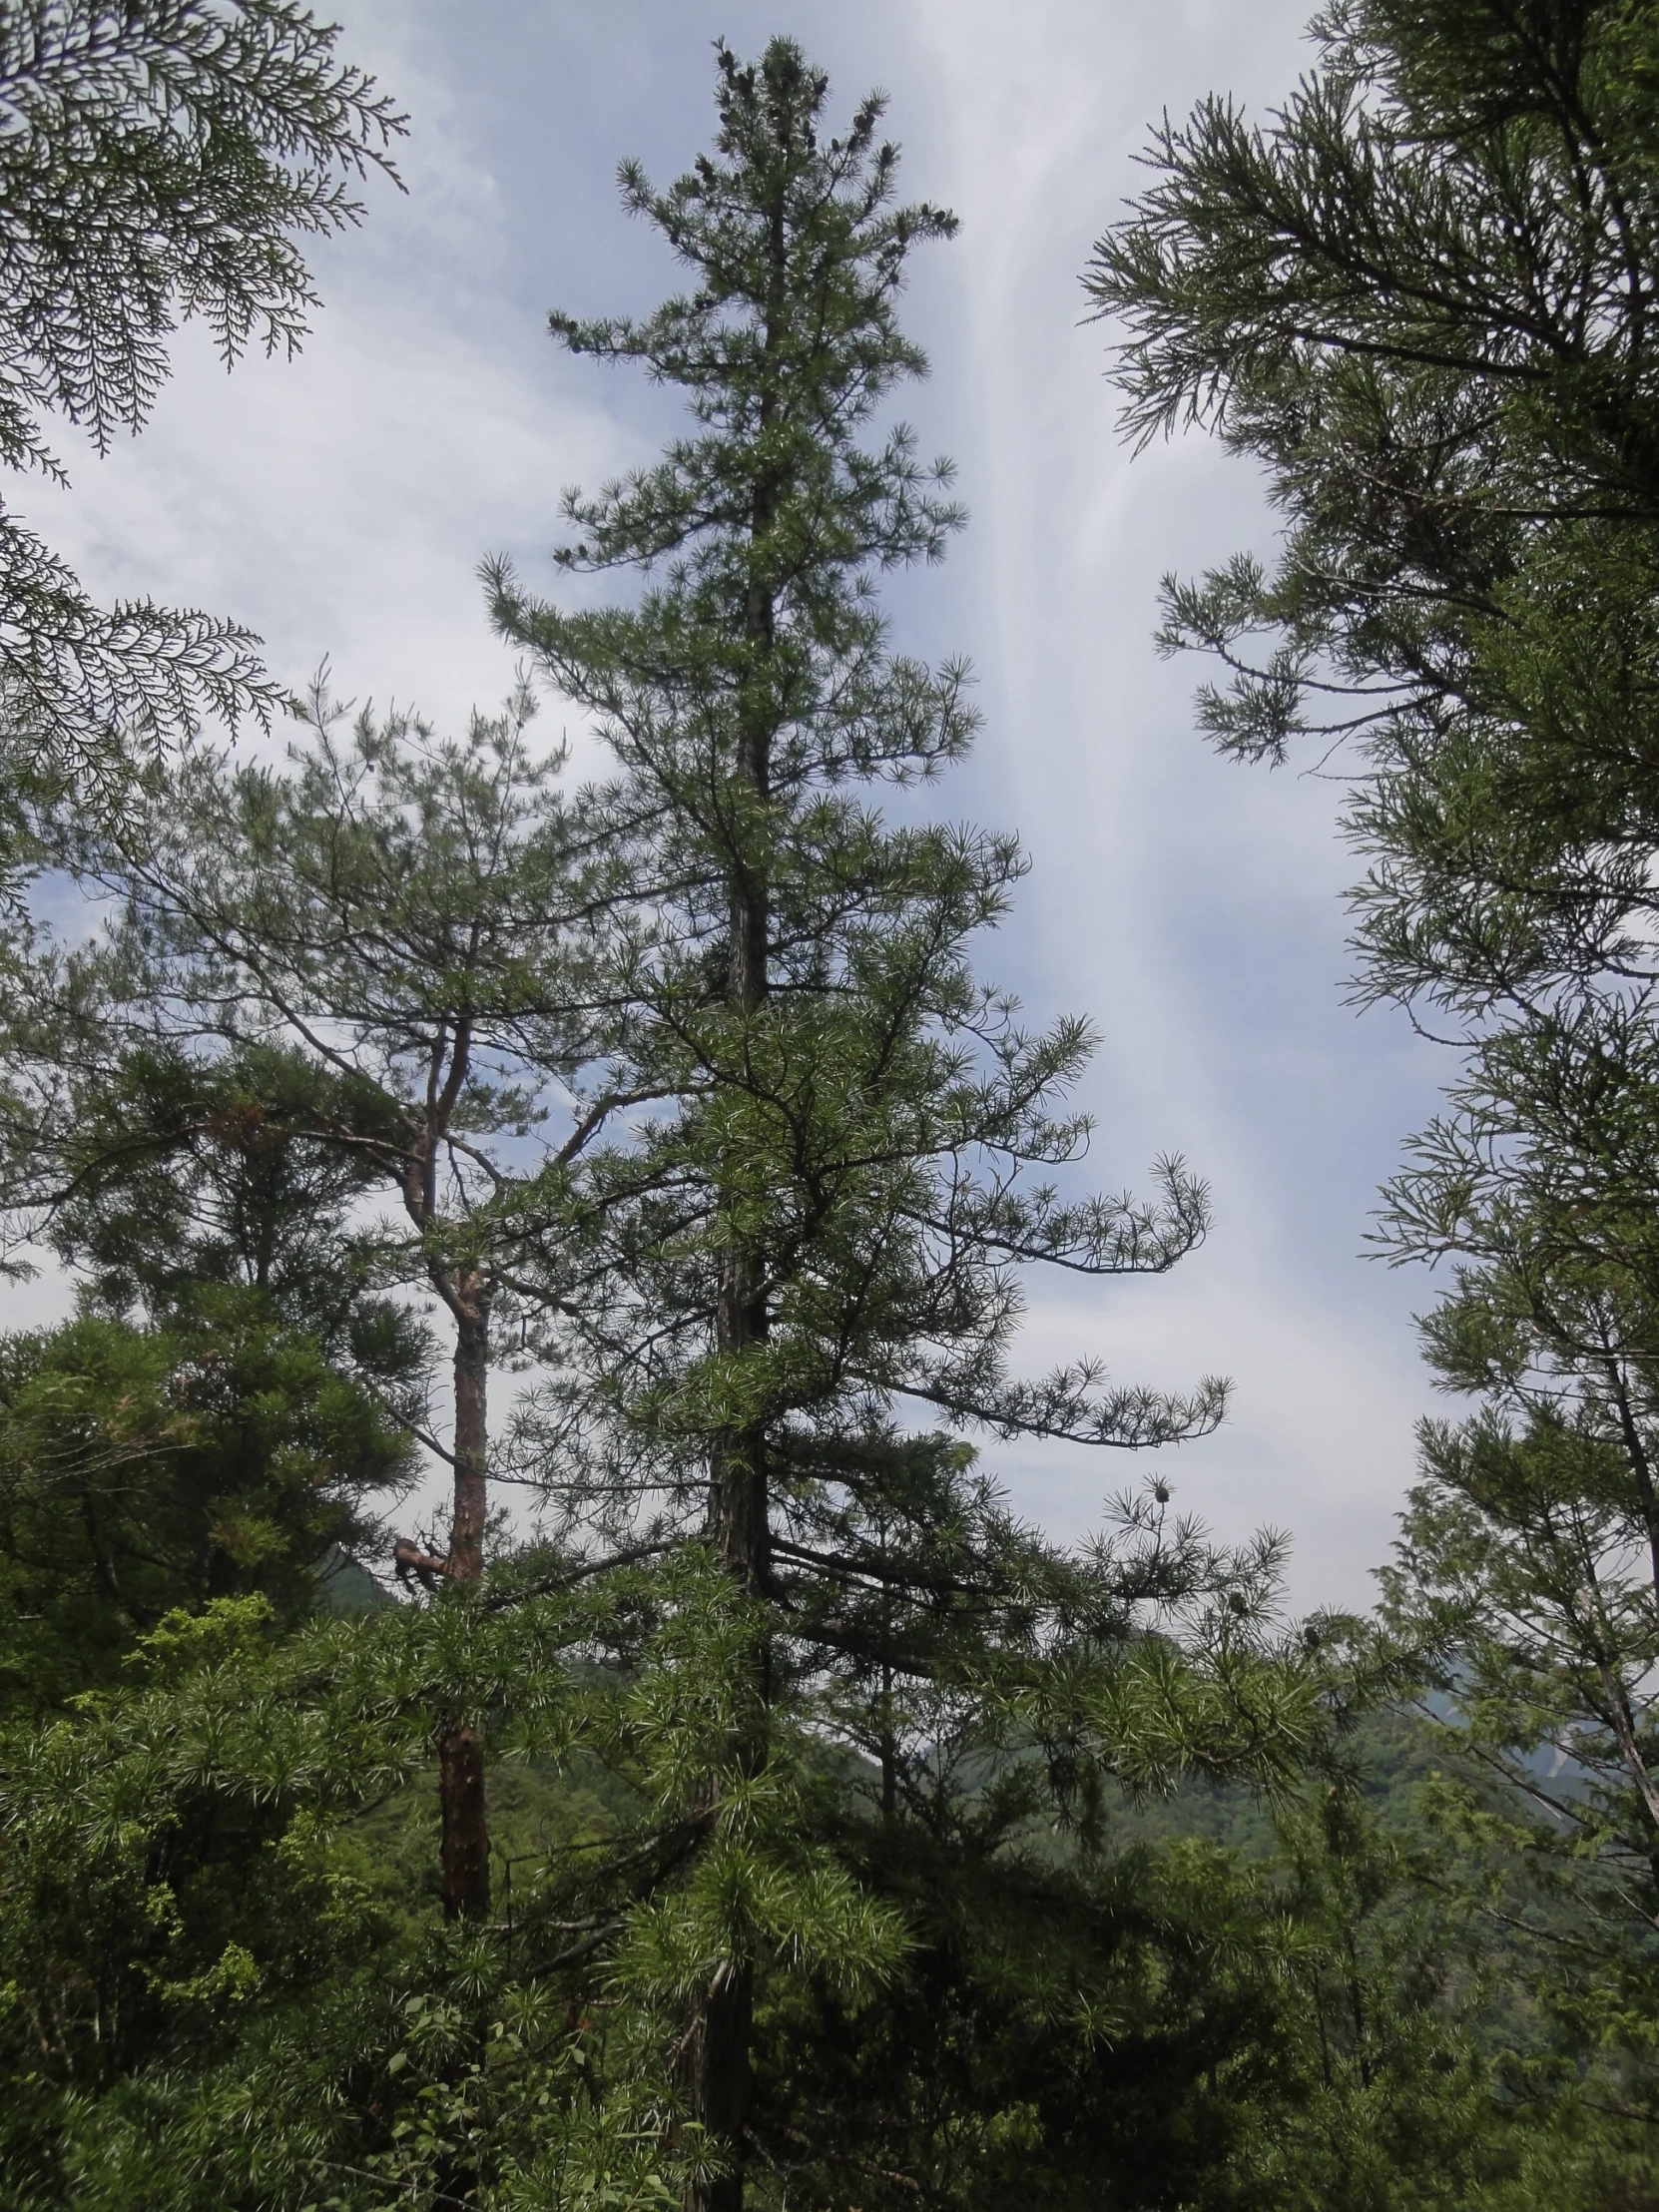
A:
<point x="1192" y="909"/>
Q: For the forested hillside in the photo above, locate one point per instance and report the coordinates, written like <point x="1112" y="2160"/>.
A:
<point x="727" y="1793"/>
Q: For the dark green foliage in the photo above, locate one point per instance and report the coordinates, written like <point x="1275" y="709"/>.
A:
<point x="798" y="1196"/>
<point x="1146" y="2028"/>
<point x="217" y="1454"/>
<point x="221" y="1906"/>
<point x="365" y="977"/>
<point x="865" y="1145"/>
<point x="376" y="958"/>
<point x="1529" y="1564"/>
<point x="157" y="1171"/>
<point x="222" y="1987"/>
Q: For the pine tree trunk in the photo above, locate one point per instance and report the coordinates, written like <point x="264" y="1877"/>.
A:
<point x="738" y="1490"/>
<point x="718" y="2048"/>
<point x="473" y="1355"/>
<point x="737" y="1498"/>
<point x="717" y="2064"/>
<point x="466" y="1848"/>
<point x="718" y="2078"/>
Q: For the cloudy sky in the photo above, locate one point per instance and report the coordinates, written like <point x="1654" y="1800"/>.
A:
<point x="340" y="505"/>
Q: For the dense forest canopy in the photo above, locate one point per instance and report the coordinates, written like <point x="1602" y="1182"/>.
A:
<point x="728" y="1794"/>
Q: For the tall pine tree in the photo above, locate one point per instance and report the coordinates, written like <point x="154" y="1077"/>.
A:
<point x="824" y="1232"/>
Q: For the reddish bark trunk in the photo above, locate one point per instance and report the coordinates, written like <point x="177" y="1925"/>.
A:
<point x="466" y="1848"/>
<point x="718" y="2065"/>
<point x="472" y="1354"/>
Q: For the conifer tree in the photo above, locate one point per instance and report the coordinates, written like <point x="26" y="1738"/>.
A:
<point x="821" y="1238"/>
<point x="219" y="1454"/>
<point x="1422" y="297"/>
<point x="369" y="963"/>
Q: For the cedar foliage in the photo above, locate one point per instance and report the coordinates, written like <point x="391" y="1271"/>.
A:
<point x="161" y="162"/>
